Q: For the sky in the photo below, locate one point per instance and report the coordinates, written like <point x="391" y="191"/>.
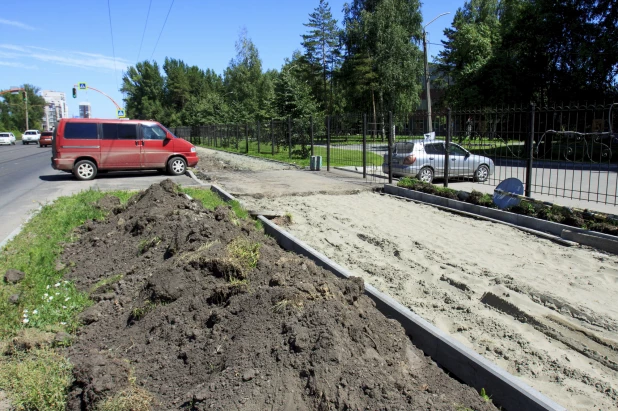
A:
<point x="56" y="44"/>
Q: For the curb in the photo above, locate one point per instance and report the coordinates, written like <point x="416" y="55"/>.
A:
<point x="474" y="370"/>
<point x="471" y="368"/>
<point x="560" y="240"/>
<point x="595" y="239"/>
<point x="194" y="177"/>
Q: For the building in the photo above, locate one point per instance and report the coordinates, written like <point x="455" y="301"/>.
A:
<point x="55" y="109"/>
<point x="84" y="110"/>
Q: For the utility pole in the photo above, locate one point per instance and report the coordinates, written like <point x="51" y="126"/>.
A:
<point x="427" y="84"/>
<point x="26" y="105"/>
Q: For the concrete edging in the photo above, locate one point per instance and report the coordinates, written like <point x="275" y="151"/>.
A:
<point x="474" y="370"/>
<point x="601" y="241"/>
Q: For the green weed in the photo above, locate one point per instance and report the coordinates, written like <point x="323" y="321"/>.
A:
<point x="105" y="282"/>
<point x="37" y="380"/>
<point x="146" y="245"/>
<point x="484" y="395"/>
<point x="244" y="253"/>
<point x="134" y="398"/>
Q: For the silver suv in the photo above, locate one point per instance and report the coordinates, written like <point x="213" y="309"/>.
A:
<point x="425" y="160"/>
<point x="31" y="136"/>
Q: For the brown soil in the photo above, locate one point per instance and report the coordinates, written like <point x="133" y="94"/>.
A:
<point x="196" y="325"/>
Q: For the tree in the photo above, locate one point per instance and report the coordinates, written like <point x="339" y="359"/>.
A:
<point x="322" y="52"/>
<point x="293" y="95"/>
<point x="381" y="38"/>
<point x="143" y="85"/>
<point x="13" y="108"/>
<point x="244" y="82"/>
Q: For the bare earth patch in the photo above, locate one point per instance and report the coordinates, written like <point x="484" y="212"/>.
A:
<point x="544" y="312"/>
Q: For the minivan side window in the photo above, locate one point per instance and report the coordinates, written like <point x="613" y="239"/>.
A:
<point x="152" y="132"/>
<point x="84" y="131"/>
<point x="110" y="131"/>
<point x="127" y="132"/>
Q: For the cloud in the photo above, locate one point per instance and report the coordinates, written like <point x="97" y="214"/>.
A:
<point x="64" y="57"/>
<point x="16" y="24"/>
<point x="18" y="65"/>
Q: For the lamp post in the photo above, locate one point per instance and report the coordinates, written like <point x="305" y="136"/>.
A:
<point x="427" y="86"/>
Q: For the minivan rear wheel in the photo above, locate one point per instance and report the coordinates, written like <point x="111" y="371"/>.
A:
<point x="176" y="166"/>
<point x="85" y="170"/>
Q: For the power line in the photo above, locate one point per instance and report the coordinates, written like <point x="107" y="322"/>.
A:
<point x="109" y="12"/>
<point x="145" y="25"/>
<point x="158" y="38"/>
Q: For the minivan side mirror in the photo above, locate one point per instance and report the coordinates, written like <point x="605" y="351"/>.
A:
<point x="168" y="136"/>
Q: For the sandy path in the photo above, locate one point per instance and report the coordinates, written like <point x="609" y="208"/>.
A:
<point x="544" y="312"/>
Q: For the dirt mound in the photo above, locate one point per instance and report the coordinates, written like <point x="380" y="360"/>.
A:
<point x="203" y="311"/>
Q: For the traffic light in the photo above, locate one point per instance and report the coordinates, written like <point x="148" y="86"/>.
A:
<point x="24" y="95"/>
<point x="74" y="92"/>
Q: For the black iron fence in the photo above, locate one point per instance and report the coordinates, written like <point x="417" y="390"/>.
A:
<point x="565" y="151"/>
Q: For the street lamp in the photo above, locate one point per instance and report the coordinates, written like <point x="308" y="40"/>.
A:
<point x="427" y="86"/>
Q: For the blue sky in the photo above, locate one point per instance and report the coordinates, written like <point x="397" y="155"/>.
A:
<point x="55" y="44"/>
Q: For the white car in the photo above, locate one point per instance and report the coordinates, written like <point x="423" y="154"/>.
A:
<point x="31" y="136"/>
<point x="7" y="138"/>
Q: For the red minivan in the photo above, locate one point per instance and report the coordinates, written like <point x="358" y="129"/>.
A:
<point x="84" y="146"/>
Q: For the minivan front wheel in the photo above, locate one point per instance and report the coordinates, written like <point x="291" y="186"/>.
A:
<point x="176" y="166"/>
<point x="425" y="175"/>
<point x="85" y="170"/>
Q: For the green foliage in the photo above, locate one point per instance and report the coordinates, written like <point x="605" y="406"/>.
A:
<point x="46" y="301"/>
<point x="520" y="50"/>
<point x="37" y="380"/>
<point x="105" y="282"/>
<point x="384" y="63"/>
<point x="13" y="110"/>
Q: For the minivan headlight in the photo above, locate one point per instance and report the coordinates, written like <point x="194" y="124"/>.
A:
<point x="193" y="149"/>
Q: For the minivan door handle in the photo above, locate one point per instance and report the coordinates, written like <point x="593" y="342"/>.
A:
<point x="137" y="142"/>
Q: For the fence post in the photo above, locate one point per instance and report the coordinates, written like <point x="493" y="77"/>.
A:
<point x="237" y="137"/>
<point x="327" y="143"/>
<point x="447" y="145"/>
<point x="258" y="135"/>
<point x="311" y="133"/>
<point x="364" y="145"/>
<point x="289" y="137"/>
<point x="272" y="137"/>
<point x="247" y="138"/>
<point x="530" y="153"/>
<point x="390" y="148"/>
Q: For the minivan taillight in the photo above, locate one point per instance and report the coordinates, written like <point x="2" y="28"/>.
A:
<point x="409" y="160"/>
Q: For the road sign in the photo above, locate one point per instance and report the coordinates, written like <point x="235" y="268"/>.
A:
<point x="121" y="113"/>
<point x="83" y="86"/>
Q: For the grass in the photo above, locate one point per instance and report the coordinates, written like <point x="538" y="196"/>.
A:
<point x="339" y="157"/>
<point x="134" y="398"/>
<point x="211" y="200"/>
<point x="37" y="380"/>
<point x="35" y="251"/>
<point x="244" y="253"/>
<point x="146" y="245"/>
<point x="103" y="283"/>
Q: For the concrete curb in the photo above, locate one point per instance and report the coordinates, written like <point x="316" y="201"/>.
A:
<point x="551" y="237"/>
<point x="474" y="370"/>
<point x="194" y="177"/>
<point x="601" y="241"/>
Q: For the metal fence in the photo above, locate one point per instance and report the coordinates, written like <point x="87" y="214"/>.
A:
<point x="565" y="151"/>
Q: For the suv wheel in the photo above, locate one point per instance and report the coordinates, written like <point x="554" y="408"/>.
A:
<point x="85" y="170"/>
<point x="426" y="175"/>
<point x="176" y="166"/>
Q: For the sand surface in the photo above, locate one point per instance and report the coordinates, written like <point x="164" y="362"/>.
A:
<point x="544" y="312"/>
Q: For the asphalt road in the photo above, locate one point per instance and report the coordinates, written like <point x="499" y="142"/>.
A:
<point x="27" y="181"/>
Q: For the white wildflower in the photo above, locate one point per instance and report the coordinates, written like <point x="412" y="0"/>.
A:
<point x="57" y="285"/>
<point x="51" y="297"/>
<point x="67" y="299"/>
<point x="64" y="307"/>
<point x="47" y="288"/>
<point x="25" y="310"/>
<point x="35" y="312"/>
<point x="63" y="323"/>
<point x="25" y="321"/>
<point x="57" y="294"/>
<point x="25" y="315"/>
